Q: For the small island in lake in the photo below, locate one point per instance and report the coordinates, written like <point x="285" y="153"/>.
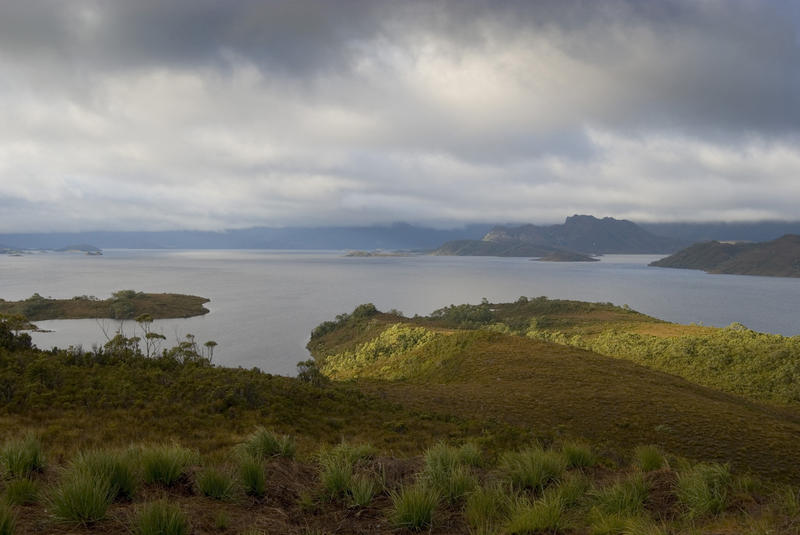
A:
<point x="566" y="256"/>
<point x="776" y="258"/>
<point x="124" y="304"/>
<point x="379" y="253"/>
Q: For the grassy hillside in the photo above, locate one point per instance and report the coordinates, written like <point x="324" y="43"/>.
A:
<point x="554" y="389"/>
<point x="124" y="304"/>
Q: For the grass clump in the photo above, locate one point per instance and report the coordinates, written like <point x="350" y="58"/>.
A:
<point x="413" y="507"/>
<point x="545" y="515"/>
<point x="252" y="477"/>
<point x="624" y="497"/>
<point x="161" y="518"/>
<point x="7" y="521"/>
<point x="336" y="475"/>
<point x="648" y="458"/>
<point x="533" y="468"/>
<point x="571" y="490"/>
<point x="487" y="508"/>
<point x="703" y="489"/>
<point x="116" y="468"/>
<point x="21" y="492"/>
<point x="82" y="497"/>
<point x="447" y="470"/>
<point x="264" y="443"/>
<point x="362" y="489"/>
<point x="215" y="483"/>
<point x="22" y="457"/>
<point x="578" y="455"/>
<point x="165" y="464"/>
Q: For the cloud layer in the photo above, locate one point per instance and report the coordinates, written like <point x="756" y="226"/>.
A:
<point x="209" y="115"/>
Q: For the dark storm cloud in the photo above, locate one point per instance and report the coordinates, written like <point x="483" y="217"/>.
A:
<point x="361" y="111"/>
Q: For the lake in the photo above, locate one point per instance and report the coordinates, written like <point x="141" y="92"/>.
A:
<point x="265" y="303"/>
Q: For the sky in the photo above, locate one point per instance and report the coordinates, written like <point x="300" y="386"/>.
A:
<point x="200" y="114"/>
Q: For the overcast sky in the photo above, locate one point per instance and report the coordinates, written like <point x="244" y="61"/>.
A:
<point x="199" y="114"/>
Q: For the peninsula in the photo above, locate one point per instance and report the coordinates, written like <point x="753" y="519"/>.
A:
<point x="776" y="258"/>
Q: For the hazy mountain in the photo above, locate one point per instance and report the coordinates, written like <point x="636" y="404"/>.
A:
<point x="579" y="233"/>
<point x="777" y="258"/>
<point x="396" y="236"/>
<point x="758" y="231"/>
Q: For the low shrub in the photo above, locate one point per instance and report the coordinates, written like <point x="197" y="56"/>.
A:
<point x="161" y="518"/>
<point x="22" y="457"/>
<point x="215" y="483"/>
<point x="165" y="464"/>
<point x="82" y="497"/>
<point x="413" y="507"/>
<point x="703" y="489"/>
<point x="264" y="443"/>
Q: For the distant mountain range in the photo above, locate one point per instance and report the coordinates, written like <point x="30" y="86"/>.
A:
<point x="578" y="234"/>
<point x="776" y="258"/>
<point x="396" y="236"/>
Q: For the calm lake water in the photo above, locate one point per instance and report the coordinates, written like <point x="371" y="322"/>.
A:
<point x="265" y="303"/>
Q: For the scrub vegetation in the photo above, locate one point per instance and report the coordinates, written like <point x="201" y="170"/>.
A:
<point x="459" y="422"/>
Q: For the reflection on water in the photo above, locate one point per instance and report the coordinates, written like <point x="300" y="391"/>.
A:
<point x="265" y="303"/>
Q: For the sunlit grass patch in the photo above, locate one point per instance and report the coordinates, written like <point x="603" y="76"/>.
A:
<point x="22" y="457"/>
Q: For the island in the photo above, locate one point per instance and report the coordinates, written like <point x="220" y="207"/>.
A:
<point x="579" y="234"/>
<point x="124" y="304"/>
<point x="566" y="256"/>
<point x="379" y="254"/>
<point x="776" y="258"/>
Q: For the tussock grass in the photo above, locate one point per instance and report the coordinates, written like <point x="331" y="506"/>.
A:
<point x="413" y="507"/>
<point x="115" y="467"/>
<point x="703" y="489"/>
<point x="7" y="520"/>
<point x="578" y="454"/>
<point x="264" y="443"/>
<point x="160" y="518"/>
<point x="452" y="484"/>
<point x="545" y="515"/>
<point x="648" y="458"/>
<point x="336" y="476"/>
<point x="624" y="498"/>
<point x="22" y="457"/>
<point x="487" y="508"/>
<point x="83" y="497"/>
<point x="252" y="476"/>
<point x="215" y="483"/>
<point x="571" y="490"/>
<point x="352" y="453"/>
<point x="532" y="468"/>
<point x="165" y="464"/>
<point x="21" y="492"/>
<point x="787" y="500"/>
<point x="362" y="489"/>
